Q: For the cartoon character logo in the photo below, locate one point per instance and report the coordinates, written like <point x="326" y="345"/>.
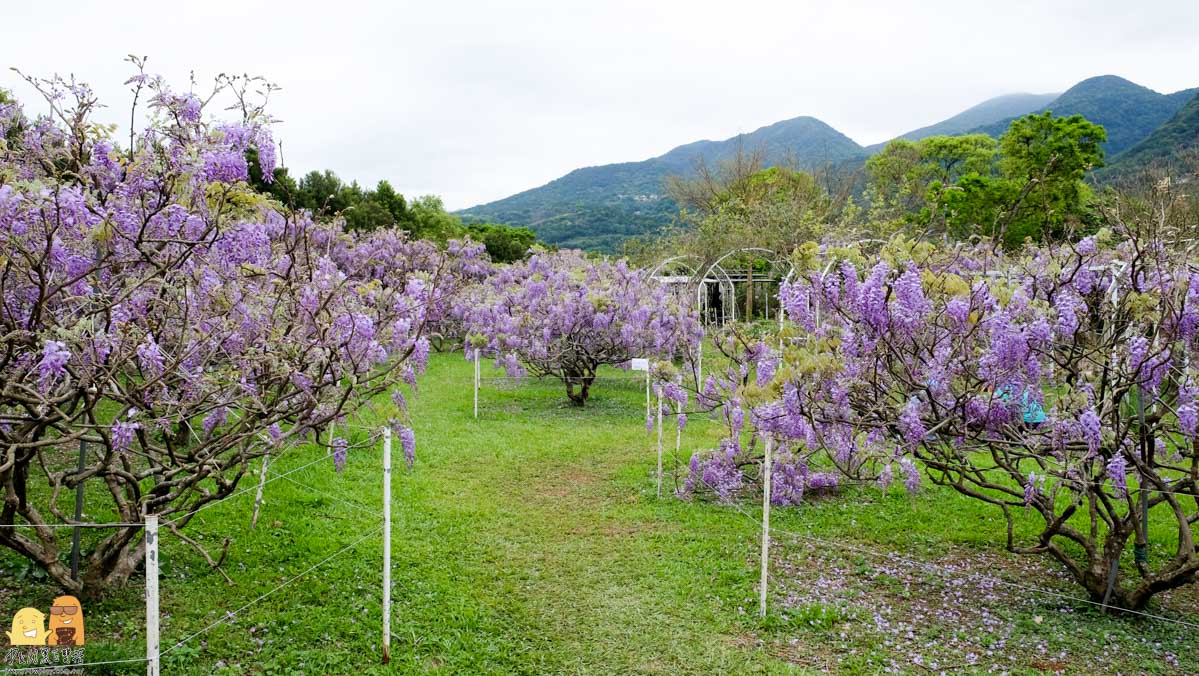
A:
<point x="66" y="622"/>
<point x="28" y="627"/>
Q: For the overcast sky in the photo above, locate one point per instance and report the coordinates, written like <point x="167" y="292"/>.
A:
<point x="475" y="100"/>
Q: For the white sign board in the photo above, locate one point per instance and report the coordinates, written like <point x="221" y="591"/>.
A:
<point x="640" y="364"/>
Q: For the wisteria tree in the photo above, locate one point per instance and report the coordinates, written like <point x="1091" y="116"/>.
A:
<point x="560" y="315"/>
<point x="159" y="310"/>
<point x="1057" y="382"/>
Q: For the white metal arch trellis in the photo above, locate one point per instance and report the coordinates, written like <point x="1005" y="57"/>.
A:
<point x="727" y="295"/>
<point x="675" y="260"/>
<point x="770" y="255"/>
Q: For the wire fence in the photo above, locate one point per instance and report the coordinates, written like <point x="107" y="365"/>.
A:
<point x="41" y="660"/>
<point x="231" y="615"/>
<point x="270" y="476"/>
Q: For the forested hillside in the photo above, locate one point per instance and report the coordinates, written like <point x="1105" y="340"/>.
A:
<point x="600" y="207"/>
<point x="1128" y="111"/>
<point x="1173" y="146"/>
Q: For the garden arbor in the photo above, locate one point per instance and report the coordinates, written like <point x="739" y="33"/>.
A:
<point x="763" y="270"/>
<point x="720" y="288"/>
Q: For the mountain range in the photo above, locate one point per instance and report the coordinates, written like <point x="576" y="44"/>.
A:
<point x="1175" y="140"/>
<point x="599" y="207"/>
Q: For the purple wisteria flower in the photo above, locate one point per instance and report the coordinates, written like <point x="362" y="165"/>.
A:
<point x="150" y="357"/>
<point x="910" y="423"/>
<point x="1092" y="430"/>
<point x="910" y="305"/>
<point x="560" y="315"/>
<point x="397" y="398"/>
<point x="250" y="323"/>
<point x="787" y="481"/>
<point x="1117" y="472"/>
<point x="122" y="434"/>
<point x="911" y="475"/>
<point x="275" y="433"/>
<point x="53" y="365"/>
<point x="408" y="444"/>
<point x="958" y="310"/>
<point x="885" y="477"/>
<point x="340" y="453"/>
<point x="214" y="419"/>
<point x="1188" y="409"/>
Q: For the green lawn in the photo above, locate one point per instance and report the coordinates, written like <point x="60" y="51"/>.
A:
<point x="531" y="541"/>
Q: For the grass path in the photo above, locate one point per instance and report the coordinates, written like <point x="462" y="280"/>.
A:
<point x="585" y="564"/>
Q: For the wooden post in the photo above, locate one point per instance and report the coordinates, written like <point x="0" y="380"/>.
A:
<point x="659" y="444"/>
<point x="386" y="545"/>
<point x="765" y="527"/>
<point x="261" y="485"/>
<point x="476" y="382"/>
<point x="78" y="512"/>
<point x="152" y="664"/>
<point x="766" y="298"/>
<point x="749" y="291"/>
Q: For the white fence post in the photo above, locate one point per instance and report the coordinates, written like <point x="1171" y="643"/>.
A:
<point x="152" y="664"/>
<point x="765" y="526"/>
<point x="659" y="444"/>
<point x="476" y="382"/>
<point x="386" y="545"/>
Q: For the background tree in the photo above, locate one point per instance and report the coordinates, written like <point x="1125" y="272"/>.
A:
<point x="776" y="209"/>
<point x="392" y="201"/>
<point x="1047" y="158"/>
<point x="505" y="244"/>
<point x="327" y="197"/>
<point x="907" y="180"/>
<point x="428" y="219"/>
<point x="1028" y="185"/>
<point x="702" y="190"/>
